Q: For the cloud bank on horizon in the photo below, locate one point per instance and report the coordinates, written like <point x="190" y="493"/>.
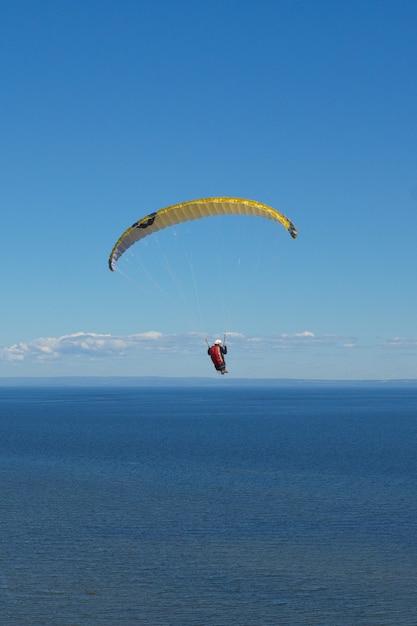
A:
<point x="95" y="346"/>
<point x="297" y="355"/>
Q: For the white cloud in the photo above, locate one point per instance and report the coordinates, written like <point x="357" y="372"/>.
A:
<point x="95" y="345"/>
<point x="78" y="344"/>
<point x="400" y="342"/>
<point x="300" y="354"/>
<point x="13" y="353"/>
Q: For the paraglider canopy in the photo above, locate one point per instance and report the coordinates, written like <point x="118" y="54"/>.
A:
<point x="194" y="210"/>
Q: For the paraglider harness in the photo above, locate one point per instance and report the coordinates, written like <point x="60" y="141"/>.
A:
<point x="216" y="353"/>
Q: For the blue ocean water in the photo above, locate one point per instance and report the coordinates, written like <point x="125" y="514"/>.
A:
<point x="200" y="506"/>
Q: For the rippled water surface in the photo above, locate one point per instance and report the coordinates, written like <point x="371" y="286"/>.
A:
<point x="198" y="506"/>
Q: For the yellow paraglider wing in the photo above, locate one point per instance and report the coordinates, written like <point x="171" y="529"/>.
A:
<point x="194" y="210"/>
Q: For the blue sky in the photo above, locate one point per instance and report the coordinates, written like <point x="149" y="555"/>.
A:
<point x="111" y="110"/>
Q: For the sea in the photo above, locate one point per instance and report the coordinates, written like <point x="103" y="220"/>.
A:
<point x="208" y="505"/>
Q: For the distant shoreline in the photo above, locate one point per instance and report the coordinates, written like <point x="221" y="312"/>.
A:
<point x="157" y="381"/>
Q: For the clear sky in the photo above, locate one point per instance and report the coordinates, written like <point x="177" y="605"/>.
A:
<point x="112" y="109"/>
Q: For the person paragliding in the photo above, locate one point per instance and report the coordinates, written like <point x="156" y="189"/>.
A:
<point x="194" y="210"/>
<point x="217" y="352"/>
